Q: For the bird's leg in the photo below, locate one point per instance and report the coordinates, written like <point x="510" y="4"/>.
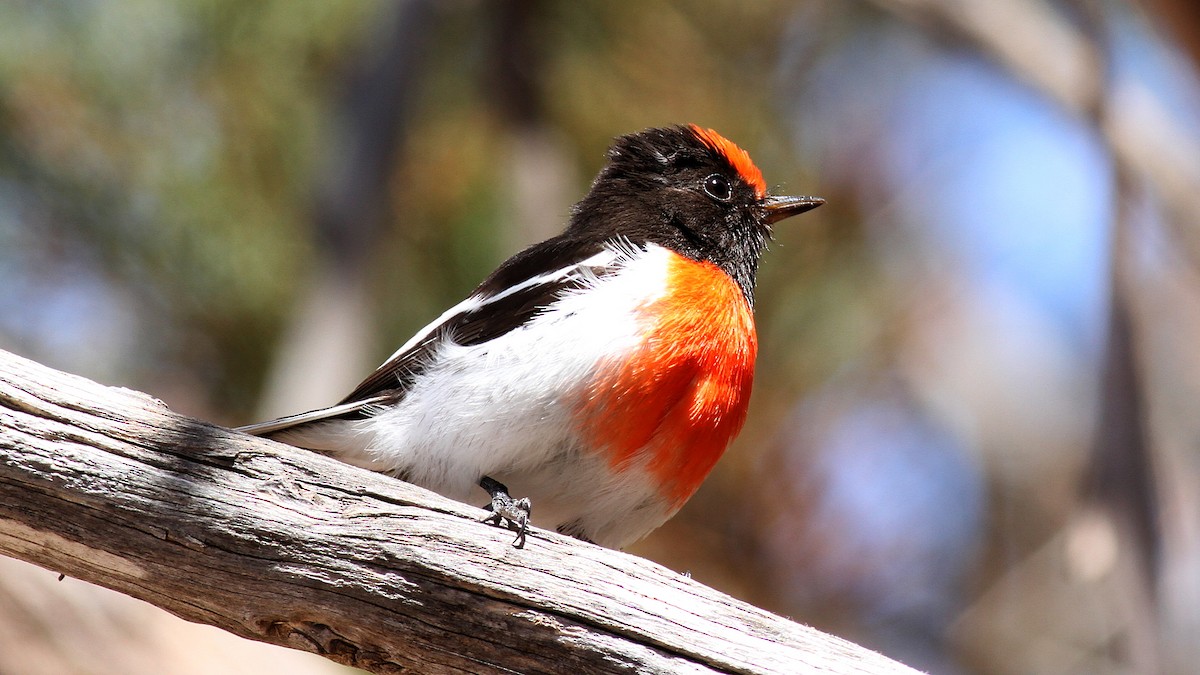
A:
<point x="504" y="507"/>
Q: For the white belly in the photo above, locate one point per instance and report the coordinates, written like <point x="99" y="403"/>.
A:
<point x="505" y="409"/>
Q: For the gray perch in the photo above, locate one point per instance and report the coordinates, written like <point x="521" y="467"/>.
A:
<point x="285" y="546"/>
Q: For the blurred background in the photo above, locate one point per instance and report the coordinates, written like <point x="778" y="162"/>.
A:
<point x="974" y="443"/>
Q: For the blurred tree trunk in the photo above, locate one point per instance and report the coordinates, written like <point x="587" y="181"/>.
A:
<point x="326" y="348"/>
<point x="1181" y="20"/>
<point x="1064" y="58"/>
<point x="538" y="172"/>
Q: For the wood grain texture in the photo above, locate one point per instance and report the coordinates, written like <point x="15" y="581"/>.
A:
<point x="282" y="545"/>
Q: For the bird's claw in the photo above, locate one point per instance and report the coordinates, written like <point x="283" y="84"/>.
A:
<point x="505" y="508"/>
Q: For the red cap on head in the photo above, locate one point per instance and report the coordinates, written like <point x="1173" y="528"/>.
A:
<point x="738" y="157"/>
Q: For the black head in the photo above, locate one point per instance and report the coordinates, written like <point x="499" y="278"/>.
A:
<point x="690" y="190"/>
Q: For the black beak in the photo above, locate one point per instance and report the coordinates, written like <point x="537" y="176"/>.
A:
<point x="779" y="208"/>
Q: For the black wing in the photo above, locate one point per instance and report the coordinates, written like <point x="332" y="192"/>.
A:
<point x="520" y="289"/>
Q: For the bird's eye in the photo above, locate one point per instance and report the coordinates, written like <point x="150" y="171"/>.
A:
<point x="717" y="187"/>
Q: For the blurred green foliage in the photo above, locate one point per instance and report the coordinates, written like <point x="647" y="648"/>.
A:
<point x="178" y="144"/>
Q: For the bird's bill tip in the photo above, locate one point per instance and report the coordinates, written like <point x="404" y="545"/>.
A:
<point x="779" y="208"/>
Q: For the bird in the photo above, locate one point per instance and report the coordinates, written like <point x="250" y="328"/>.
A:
<point x="602" y="372"/>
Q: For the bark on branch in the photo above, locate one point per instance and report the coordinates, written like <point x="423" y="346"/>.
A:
<point x="285" y="546"/>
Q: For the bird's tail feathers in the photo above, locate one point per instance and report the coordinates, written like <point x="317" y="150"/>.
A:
<point x="292" y="422"/>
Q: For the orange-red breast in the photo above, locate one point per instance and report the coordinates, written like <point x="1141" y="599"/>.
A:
<point x="602" y="372"/>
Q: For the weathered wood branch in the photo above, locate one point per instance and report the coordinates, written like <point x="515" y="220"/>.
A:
<point x="286" y="546"/>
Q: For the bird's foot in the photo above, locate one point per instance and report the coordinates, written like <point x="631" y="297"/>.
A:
<point x="504" y="507"/>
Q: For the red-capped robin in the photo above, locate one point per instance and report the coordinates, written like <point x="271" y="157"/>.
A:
<point x="602" y="372"/>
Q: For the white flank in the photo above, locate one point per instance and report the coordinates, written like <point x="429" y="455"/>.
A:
<point x="502" y="408"/>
